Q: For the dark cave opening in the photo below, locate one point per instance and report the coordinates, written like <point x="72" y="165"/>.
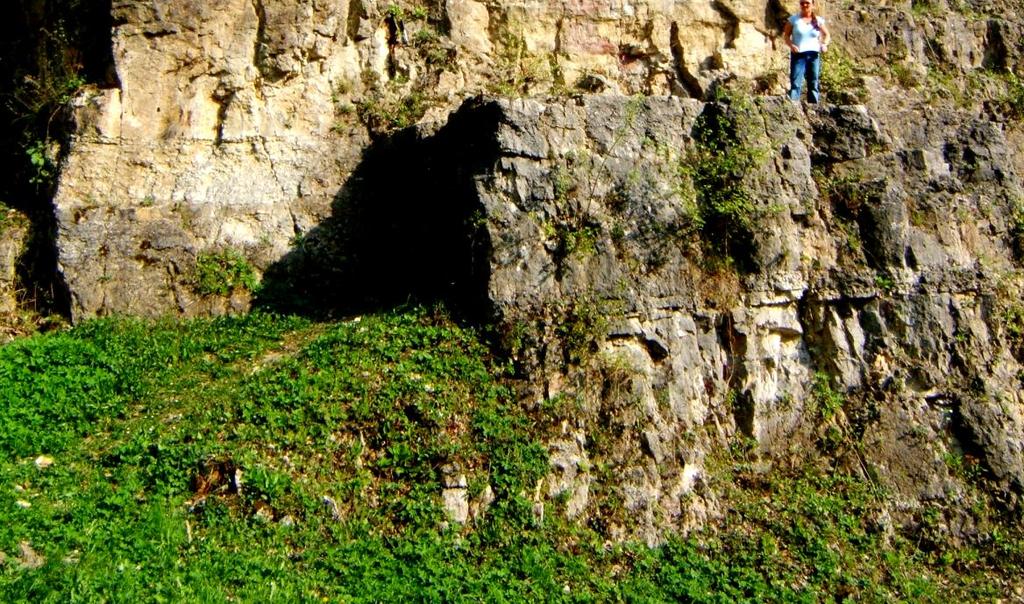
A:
<point x="406" y="228"/>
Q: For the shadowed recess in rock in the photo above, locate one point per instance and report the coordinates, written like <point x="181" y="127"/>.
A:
<point x="405" y="228"/>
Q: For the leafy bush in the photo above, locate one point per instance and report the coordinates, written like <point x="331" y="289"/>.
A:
<point x="221" y="273"/>
<point x="716" y="167"/>
<point x="842" y="78"/>
<point x="383" y="114"/>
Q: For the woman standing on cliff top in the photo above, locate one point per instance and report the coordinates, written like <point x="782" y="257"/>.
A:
<point x="807" y="37"/>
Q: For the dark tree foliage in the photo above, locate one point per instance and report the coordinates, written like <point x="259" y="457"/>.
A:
<point x="49" y="49"/>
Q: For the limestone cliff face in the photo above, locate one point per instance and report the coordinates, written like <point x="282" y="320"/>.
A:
<point x="878" y="264"/>
<point x="235" y="123"/>
<point x="219" y="136"/>
<point x="683" y="266"/>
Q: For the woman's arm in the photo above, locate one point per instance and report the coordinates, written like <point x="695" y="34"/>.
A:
<point x="787" y="37"/>
<point x="825" y="36"/>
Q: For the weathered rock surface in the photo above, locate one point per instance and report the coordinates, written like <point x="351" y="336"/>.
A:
<point x="233" y="127"/>
<point x="218" y="137"/>
<point x="878" y="270"/>
<point x="13" y="237"/>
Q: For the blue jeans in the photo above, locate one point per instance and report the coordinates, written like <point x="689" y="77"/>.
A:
<point x="804" y="64"/>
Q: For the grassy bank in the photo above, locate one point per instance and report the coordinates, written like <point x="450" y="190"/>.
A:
<point x="266" y="458"/>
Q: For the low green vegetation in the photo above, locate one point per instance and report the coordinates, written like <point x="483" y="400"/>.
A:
<point x="924" y="8"/>
<point x="944" y="84"/>
<point x="842" y="78"/>
<point x="904" y="75"/>
<point x="885" y="283"/>
<point x="1012" y="99"/>
<point x="725" y="211"/>
<point x="395" y="13"/>
<point x="828" y="399"/>
<point x="428" y="42"/>
<point x="384" y="113"/>
<point x="582" y="323"/>
<point x="256" y="457"/>
<point x="270" y="458"/>
<point x="220" y="273"/>
<point x="1001" y="91"/>
<point x="573" y="240"/>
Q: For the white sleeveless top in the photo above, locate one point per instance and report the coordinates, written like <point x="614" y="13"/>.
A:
<point x="805" y="36"/>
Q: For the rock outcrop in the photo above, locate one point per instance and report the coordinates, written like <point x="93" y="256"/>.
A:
<point x="233" y="127"/>
<point x="13" y="237"/>
<point x="672" y="276"/>
<point x="869" y="297"/>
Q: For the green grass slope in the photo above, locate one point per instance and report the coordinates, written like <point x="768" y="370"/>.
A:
<point x="266" y="458"/>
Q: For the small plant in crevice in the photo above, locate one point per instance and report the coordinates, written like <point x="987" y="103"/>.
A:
<point x="384" y="113"/>
<point x="42" y="157"/>
<point x="1011" y="101"/>
<point x="573" y="239"/>
<point x="904" y="76"/>
<point x="572" y="232"/>
<point x="516" y="70"/>
<point x="964" y="466"/>
<point x="717" y="166"/>
<point x="394" y="13"/>
<point x="580" y="326"/>
<point x="1011" y="314"/>
<point x="1016" y="227"/>
<point x="516" y="337"/>
<point x="562" y="406"/>
<point x="438" y="55"/>
<point x="221" y="273"/>
<point x="851" y="237"/>
<point x="842" y="78"/>
<point x="618" y="375"/>
<point x="827" y="397"/>
<point x="924" y="8"/>
<point x="942" y="84"/>
<point x="885" y="283"/>
<point x="40" y="99"/>
<point x="842" y="197"/>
